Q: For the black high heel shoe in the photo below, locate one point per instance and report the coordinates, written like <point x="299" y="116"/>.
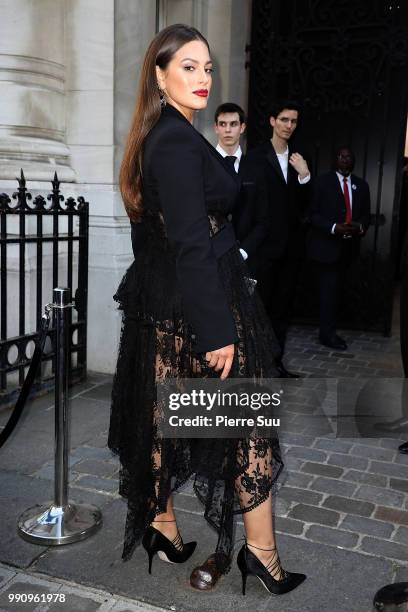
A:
<point x="172" y="551"/>
<point x="250" y="565"/>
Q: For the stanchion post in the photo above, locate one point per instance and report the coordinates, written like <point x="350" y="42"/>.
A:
<point x="61" y="521"/>
<point x="61" y="323"/>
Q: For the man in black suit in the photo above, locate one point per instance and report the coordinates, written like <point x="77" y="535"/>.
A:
<point x="283" y="176"/>
<point x="339" y="217"/>
<point x="250" y="214"/>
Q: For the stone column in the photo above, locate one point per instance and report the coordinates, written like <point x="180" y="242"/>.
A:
<point x="105" y="44"/>
<point x="32" y="77"/>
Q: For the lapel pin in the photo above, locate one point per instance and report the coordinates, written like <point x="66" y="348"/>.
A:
<point x="354" y="186"/>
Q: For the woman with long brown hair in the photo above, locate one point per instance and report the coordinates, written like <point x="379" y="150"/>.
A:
<point x="188" y="311"/>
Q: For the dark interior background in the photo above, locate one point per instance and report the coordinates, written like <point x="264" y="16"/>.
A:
<point x="346" y="62"/>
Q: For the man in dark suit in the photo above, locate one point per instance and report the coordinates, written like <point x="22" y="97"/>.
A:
<point x="339" y="217"/>
<point x="282" y="174"/>
<point x="250" y="214"/>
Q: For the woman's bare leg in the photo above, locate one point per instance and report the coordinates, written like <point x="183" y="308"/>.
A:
<point x="258" y="524"/>
<point x="166" y="523"/>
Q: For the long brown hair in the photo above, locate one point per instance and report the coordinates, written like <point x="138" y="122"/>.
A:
<point x="148" y="109"/>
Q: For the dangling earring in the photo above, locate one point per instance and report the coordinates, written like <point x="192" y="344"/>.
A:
<point x="163" y="101"/>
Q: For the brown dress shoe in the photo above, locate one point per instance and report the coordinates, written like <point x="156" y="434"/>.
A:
<point x="205" y="576"/>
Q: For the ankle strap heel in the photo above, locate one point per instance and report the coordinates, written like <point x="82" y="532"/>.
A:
<point x="173" y="551"/>
<point x="249" y="565"/>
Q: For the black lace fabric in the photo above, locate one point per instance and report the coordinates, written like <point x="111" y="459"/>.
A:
<point x="230" y="475"/>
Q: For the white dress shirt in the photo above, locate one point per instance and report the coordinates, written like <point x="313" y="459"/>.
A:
<point x="238" y="155"/>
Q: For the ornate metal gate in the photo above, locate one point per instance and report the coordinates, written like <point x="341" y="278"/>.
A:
<point x="57" y="236"/>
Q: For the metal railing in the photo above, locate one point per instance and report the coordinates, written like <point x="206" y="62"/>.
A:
<point x="60" y="242"/>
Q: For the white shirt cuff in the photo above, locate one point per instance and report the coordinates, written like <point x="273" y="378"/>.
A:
<point x="332" y="229"/>
<point x="243" y="253"/>
<point x="304" y="180"/>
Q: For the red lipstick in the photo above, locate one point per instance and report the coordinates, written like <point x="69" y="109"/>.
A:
<point x="201" y="92"/>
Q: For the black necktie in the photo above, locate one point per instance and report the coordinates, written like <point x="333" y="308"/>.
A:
<point x="230" y="159"/>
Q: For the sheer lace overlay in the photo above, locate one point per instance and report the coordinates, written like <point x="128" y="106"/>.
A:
<point x="230" y="476"/>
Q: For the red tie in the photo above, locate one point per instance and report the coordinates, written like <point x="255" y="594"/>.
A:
<point x="346" y="200"/>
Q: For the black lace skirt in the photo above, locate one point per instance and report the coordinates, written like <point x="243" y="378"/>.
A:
<point x="230" y="475"/>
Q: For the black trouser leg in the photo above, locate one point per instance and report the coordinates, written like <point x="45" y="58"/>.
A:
<point x="277" y="284"/>
<point x="328" y="294"/>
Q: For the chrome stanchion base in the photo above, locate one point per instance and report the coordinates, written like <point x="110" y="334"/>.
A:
<point x="54" y="525"/>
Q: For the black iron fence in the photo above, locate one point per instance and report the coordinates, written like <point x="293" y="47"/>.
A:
<point x="43" y="244"/>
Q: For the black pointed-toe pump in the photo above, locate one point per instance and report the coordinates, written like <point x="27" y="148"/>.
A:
<point x="250" y="565"/>
<point x="172" y="551"/>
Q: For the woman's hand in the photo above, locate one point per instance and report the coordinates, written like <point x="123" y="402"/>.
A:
<point x="221" y="359"/>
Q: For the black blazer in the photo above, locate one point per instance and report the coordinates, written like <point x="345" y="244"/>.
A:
<point x="328" y="207"/>
<point x="184" y="178"/>
<point x="286" y="204"/>
<point x="250" y="216"/>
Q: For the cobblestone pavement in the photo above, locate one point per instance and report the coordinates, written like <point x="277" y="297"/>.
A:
<point x="341" y="511"/>
<point x="347" y="492"/>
